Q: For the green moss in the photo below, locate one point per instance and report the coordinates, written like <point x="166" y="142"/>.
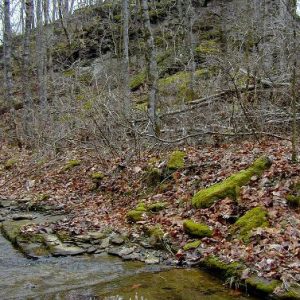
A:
<point x="292" y="294"/>
<point x="134" y="216"/>
<point x="85" y="78"/>
<point x="142" y="106"/>
<point x="293" y="201"/>
<point x="191" y="245"/>
<point x="12" y="229"/>
<point x="97" y="176"/>
<point x="63" y="235"/>
<point x="10" y="163"/>
<point x="207" y="47"/>
<point x="137" y="80"/>
<point x="69" y="73"/>
<point x="261" y="285"/>
<point x="230" y="186"/>
<point x="158" y="206"/>
<point x="156" y="235"/>
<point x="176" y="160"/>
<point x="141" y="207"/>
<point x="254" y="218"/>
<point x="196" y="229"/>
<point x="71" y="164"/>
<point x="222" y="269"/>
<point x="179" y="84"/>
<point x="43" y="197"/>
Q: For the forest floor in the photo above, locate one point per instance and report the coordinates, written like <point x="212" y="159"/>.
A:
<point x="65" y="183"/>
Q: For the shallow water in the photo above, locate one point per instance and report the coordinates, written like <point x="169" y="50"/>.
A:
<point x="100" y="277"/>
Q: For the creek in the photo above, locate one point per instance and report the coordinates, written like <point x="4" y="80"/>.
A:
<point x="101" y="277"/>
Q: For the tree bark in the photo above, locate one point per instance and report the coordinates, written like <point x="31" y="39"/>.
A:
<point x="126" y="59"/>
<point x="152" y="69"/>
<point x="7" y="40"/>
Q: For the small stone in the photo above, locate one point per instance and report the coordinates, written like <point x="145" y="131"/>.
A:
<point x="104" y="244"/>
<point x="117" y="239"/>
<point x="132" y="256"/>
<point x="151" y="260"/>
<point x="22" y="217"/>
<point x="51" y="240"/>
<point x="126" y="251"/>
<point x="115" y="251"/>
<point x="91" y="250"/>
<point x="66" y="250"/>
<point x="96" y="235"/>
<point x="82" y="238"/>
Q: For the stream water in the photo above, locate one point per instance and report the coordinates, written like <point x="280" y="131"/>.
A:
<point x="101" y="277"/>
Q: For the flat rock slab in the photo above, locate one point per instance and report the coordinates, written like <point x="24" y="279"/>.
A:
<point x="19" y="217"/>
<point x="66" y="250"/>
<point x="151" y="260"/>
<point x="117" y="240"/>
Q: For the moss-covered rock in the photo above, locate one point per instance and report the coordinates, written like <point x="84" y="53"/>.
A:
<point x="293" y="201"/>
<point x="12" y="229"/>
<point x="97" y="176"/>
<point x="254" y="218"/>
<point x="42" y="197"/>
<point x="141" y="207"/>
<point x="156" y="207"/>
<point x="137" y="80"/>
<point x="222" y="269"/>
<point x="196" y="229"/>
<point x="134" y="216"/>
<point x="71" y="164"/>
<point x="176" y="160"/>
<point x="31" y="245"/>
<point x="262" y="286"/>
<point x="293" y="293"/>
<point x="207" y="48"/>
<point x="178" y="84"/>
<point x="230" y="186"/>
<point x="10" y="163"/>
<point x="156" y="235"/>
<point x="191" y="245"/>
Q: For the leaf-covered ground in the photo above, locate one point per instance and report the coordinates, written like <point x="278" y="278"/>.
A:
<point x="272" y="252"/>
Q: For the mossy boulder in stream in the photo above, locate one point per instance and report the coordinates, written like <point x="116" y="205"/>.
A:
<point x="31" y="245"/>
<point x="221" y="268"/>
<point x="196" y="229"/>
<point x="254" y="218"/>
<point x="262" y="286"/>
<point x="230" y="186"/>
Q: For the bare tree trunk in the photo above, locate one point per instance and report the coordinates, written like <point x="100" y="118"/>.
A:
<point x="62" y="20"/>
<point x="26" y="52"/>
<point x="294" y="87"/>
<point x="152" y="70"/>
<point x="7" y="40"/>
<point x="127" y="101"/>
<point x="40" y="49"/>
<point x="191" y="44"/>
